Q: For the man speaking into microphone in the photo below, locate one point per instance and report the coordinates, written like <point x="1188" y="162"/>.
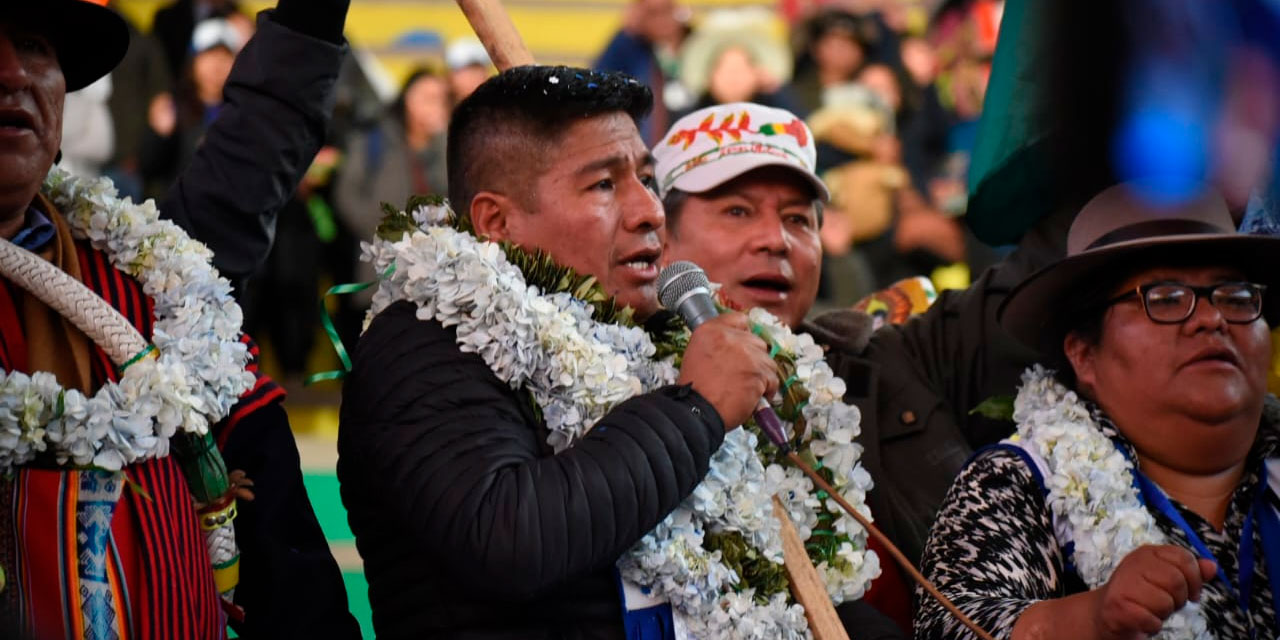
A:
<point x="473" y="520"/>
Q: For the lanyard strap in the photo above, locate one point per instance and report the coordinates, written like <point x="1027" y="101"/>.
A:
<point x="1154" y="497"/>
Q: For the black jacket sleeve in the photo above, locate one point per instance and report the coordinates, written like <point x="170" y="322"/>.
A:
<point x="278" y="102"/>
<point x="290" y="585"/>
<point x="435" y="437"/>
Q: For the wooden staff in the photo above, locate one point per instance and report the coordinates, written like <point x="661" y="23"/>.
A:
<point x="494" y="28"/>
<point x="806" y="584"/>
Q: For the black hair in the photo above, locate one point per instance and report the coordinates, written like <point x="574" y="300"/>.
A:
<point x="498" y="134"/>
<point x="672" y="206"/>
<point x="418" y="73"/>
<point x="1087" y="302"/>
<point x="864" y="31"/>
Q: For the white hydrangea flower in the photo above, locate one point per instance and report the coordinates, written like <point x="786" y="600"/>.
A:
<point x="577" y="369"/>
<point x="1096" y="509"/>
<point x="197" y="376"/>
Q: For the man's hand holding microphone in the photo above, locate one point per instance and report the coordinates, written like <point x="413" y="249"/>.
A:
<point x="725" y="362"/>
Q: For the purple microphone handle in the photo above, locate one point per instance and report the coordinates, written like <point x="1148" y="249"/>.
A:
<point x="771" y="425"/>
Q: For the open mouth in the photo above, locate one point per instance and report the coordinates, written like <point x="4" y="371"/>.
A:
<point x="643" y="260"/>
<point x="770" y="283"/>
<point x="16" y="119"/>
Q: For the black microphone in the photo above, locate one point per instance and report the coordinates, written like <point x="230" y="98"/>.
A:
<point x="683" y="287"/>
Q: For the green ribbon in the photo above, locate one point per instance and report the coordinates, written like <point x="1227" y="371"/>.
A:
<point x="760" y="332"/>
<point x="134" y="360"/>
<point x="332" y="332"/>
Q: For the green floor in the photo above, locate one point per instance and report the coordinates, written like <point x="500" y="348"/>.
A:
<point x="322" y="488"/>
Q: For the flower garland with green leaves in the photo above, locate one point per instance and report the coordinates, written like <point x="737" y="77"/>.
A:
<point x="1096" y="508"/>
<point x="198" y="373"/>
<point x="559" y="337"/>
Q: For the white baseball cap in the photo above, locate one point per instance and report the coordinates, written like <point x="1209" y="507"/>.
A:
<point x="465" y="52"/>
<point x="712" y="146"/>
<point x="215" y="32"/>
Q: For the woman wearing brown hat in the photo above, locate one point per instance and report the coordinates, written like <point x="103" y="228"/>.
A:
<point x="1134" y="498"/>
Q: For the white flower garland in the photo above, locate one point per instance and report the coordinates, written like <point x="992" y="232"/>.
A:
<point x="1096" y="508"/>
<point x="199" y="371"/>
<point x="578" y="369"/>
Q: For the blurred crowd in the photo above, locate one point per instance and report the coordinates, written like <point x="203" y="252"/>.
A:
<point x="892" y="90"/>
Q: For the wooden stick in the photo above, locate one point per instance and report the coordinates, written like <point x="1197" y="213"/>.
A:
<point x="893" y="549"/>
<point x="494" y="28"/>
<point x="806" y="584"/>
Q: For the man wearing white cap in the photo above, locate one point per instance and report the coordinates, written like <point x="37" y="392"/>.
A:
<point x="743" y="174"/>
<point x="469" y="66"/>
<point x="744" y="203"/>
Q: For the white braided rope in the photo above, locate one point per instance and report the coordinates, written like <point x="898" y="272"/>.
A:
<point x="105" y="326"/>
<point x="108" y="329"/>
<point x="73" y="300"/>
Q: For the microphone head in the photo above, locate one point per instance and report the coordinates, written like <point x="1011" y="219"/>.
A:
<point x="679" y="279"/>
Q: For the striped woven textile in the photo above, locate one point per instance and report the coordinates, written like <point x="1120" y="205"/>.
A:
<point x="93" y="554"/>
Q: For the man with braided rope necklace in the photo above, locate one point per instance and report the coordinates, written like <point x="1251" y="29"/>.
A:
<point x="163" y="587"/>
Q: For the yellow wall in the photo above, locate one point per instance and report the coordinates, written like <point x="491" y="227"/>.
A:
<point x="556" y="31"/>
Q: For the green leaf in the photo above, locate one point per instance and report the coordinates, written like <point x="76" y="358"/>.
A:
<point x="395" y="224"/>
<point x="754" y="569"/>
<point x="417" y="201"/>
<point x="137" y="488"/>
<point x="996" y="408"/>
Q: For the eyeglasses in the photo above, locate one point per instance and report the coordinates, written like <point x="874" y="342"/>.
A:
<point x="1174" y="302"/>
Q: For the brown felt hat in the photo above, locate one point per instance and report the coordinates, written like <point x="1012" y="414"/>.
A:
<point x="1118" y="227"/>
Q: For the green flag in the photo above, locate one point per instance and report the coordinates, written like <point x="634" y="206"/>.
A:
<point x="1009" y="169"/>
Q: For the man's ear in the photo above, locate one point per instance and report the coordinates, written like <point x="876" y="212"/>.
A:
<point x="490" y="216"/>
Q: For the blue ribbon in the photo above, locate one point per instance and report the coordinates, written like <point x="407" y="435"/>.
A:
<point x="1153" y="496"/>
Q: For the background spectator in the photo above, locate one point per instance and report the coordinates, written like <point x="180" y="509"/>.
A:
<point x="139" y="78"/>
<point x="469" y="66"/>
<point x="646" y="48"/>
<point x="178" y="121"/>
<point x="175" y="23"/>
<point x="734" y="56"/>
<point x="831" y="48"/>
<point x="88" y="134"/>
<point x="402" y="154"/>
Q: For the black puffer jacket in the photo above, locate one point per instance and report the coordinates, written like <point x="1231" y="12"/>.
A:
<point x="468" y="524"/>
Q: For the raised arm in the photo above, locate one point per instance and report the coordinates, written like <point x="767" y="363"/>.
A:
<point x="278" y="102"/>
